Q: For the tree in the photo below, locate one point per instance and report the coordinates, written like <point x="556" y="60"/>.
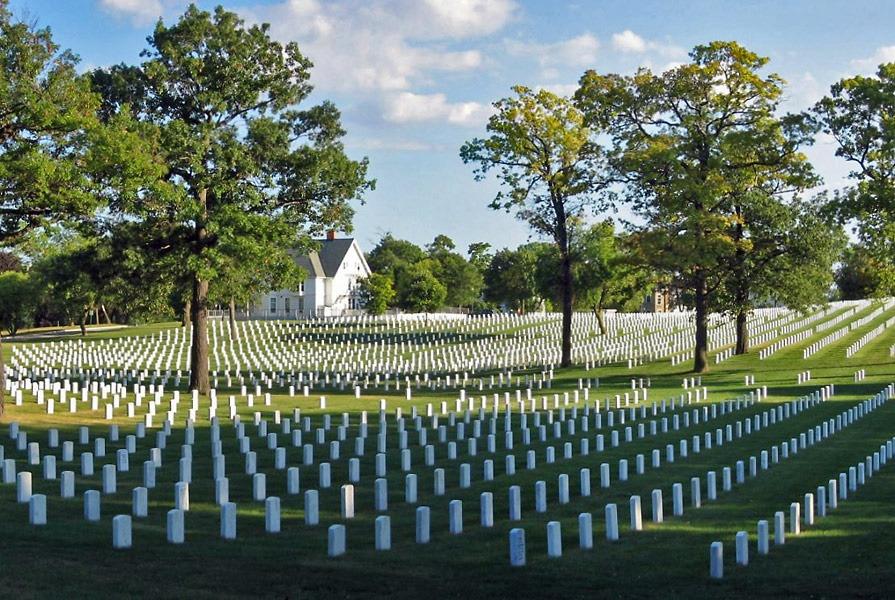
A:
<point x="46" y="113"/>
<point x="788" y="258"/>
<point x="422" y="292"/>
<point x="377" y="293"/>
<point x="442" y="244"/>
<point x="391" y="254"/>
<point x="250" y="269"/>
<point x="552" y="171"/>
<point x="511" y="277"/>
<point x="18" y="300"/>
<point x="216" y="150"/>
<point x="71" y="293"/>
<point x="462" y="280"/>
<point x="691" y="143"/>
<point x="859" y="114"/>
<point x="394" y="259"/>
<point x="861" y="275"/>
<point x="480" y="255"/>
<point x="605" y="273"/>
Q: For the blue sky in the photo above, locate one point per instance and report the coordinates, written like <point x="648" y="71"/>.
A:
<point x="415" y="78"/>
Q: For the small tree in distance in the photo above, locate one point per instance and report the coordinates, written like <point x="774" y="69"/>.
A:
<point x="552" y="171"/>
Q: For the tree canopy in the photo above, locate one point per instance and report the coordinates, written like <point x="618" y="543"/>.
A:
<point x="859" y="113"/>
<point x="217" y="157"/>
<point x="692" y="143"/>
<point x="47" y="118"/>
<point x="551" y="168"/>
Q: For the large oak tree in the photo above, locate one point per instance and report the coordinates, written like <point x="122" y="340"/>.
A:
<point x="690" y="141"/>
<point x="220" y="156"/>
<point x="46" y="115"/>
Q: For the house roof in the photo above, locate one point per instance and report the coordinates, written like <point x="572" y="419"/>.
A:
<point x="326" y="261"/>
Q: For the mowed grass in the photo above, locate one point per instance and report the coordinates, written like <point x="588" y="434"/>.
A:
<point x="847" y="554"/>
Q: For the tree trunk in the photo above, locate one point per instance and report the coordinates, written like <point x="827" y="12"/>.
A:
<point x="567" y="300"/>
<point x="234" y="332"/>
<point x="600" y="320"/>
<point x="2" y="381"/>
<point x="742" y="346"/>
<point x="598" y="310"/>
<point x="700" y="353"/>
<point x="199" y="306"/>
<point x="83" y="322"/>
<point x="106" y="314"/>
<point x="186" y="318"/>
<point x="199" y="347"/>
<point x="742" y="289"/>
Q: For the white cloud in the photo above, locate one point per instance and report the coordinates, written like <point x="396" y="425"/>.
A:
<point x="884" y="54"/>
<point x="407" y="107"/>
<point x="628" y="41"/>
<point x="384" y="45"/>
<point x="802" y="92"/>
<point x="578" y="51"/>
<point x="141" y="12"/>
<point x="465" y="18"/>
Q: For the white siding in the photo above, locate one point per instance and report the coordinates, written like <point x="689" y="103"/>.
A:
<point x="321" y="296"/>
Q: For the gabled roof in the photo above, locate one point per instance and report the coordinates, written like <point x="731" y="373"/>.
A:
<point x="332" y="253"/>
<point x="326" y="261"/>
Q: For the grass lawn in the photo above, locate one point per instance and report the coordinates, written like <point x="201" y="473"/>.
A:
<point x="850" y="553"/>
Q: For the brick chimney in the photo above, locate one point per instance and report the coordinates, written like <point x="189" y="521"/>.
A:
<point x="331" y="234"/>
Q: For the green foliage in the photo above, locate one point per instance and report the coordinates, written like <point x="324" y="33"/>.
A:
<point x="403" y="262"/>
<point x="390" y="255"/>
<point x="480" y="255"/>
<point x="859" y="114"/>
<point x="377" y="293"/>
<point x="861" y="275"/>
<point x="18" y="300"/>
<point x="106" y="270"/>
<point x="511" y="278"/>
<point x="543" y="154"/>
<point x="551" y="168"/>
<point x="699" y="147"/>
<point x="461" y="279"/>
<point x="605" y="272"/>
<point x="46" y="116"/>
<point x="210" y="155"/>
<point x="71" y="278"/>
<point x="250" y="269"/>
<point x="421" y="291"/>
<point x="788" y="258"/>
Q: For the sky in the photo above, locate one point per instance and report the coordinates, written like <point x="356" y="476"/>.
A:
<point x="414" y="79"/>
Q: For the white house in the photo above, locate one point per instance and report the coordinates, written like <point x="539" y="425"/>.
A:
<point x="331" y="288"/>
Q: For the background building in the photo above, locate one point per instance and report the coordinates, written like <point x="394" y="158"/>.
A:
<point x="331" y="288"/>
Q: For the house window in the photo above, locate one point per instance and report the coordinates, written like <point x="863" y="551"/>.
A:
<point x="301" y="288"/>
<point x="286" y="304"/>
<point x="273" y="304"/>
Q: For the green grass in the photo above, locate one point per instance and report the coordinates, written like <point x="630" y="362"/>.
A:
<point x="847" y="554"/>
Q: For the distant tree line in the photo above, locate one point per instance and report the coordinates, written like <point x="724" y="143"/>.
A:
<point x="419" y="279"/>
